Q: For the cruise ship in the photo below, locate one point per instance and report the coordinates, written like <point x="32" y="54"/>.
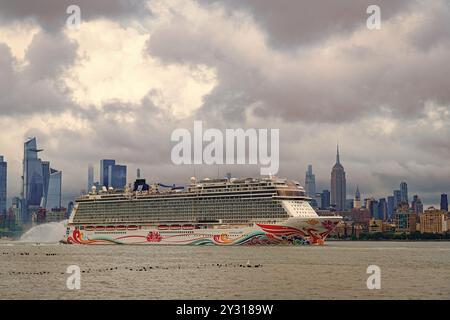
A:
<point x="232" y="211"/>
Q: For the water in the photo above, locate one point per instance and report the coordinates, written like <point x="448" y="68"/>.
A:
<point x="409" y="270"/>
<point x="51" y="232"/>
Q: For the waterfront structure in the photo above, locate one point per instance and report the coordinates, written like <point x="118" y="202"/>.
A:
<point x="310" y="183"/>
<point x="433" y="221"/>
<point x="243" y="211"/>
<point x="444" y="202"/>
<point x="338" y="185"/>
<point x="3" y="185"/>
<point x="325" y="199"/>
<point x="417" y="205"/>
<point x="90" y="182"/>
<point x="357" y="200"/>
<point x="404" y="192"/>
<point x="376" y="225"/>
<point x="55" y="215"/>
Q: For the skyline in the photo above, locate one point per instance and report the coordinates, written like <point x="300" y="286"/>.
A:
<point x="383" y="94"/>
<point x="92" y="175"/>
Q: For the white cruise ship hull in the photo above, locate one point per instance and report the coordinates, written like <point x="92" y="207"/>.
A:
<point x="293" y="231"/>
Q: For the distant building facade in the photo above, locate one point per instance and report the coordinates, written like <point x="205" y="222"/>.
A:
<point x="404" y="192"/>
<point x="325" y="199"/>
<point x="417" y="205"/>
<point x="433" y="221"/>
<point x="310" y="183"/>
<point x="338" y="185"/>
<point x="3" y="185"/>
<point x="112" y="174"/>
<point x="357" y="200"/>
<point x="444" y="202"/>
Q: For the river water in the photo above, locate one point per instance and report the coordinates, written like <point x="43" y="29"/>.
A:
<point x="409" y="270"/>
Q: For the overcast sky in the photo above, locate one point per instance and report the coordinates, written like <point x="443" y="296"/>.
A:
<point x="137" y="70"/>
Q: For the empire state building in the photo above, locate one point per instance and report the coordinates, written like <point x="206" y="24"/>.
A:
<point x="338" y="185"/>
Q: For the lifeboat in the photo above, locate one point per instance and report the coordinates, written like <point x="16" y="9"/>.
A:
<point x="188" y="227"/>
<point x="132" y="227"/>
<point x="121" y="227"/>
<point x="99" y="228"/>
<point x="110" y="228"/>
<point x="175" y="227"/>
<point x="89" y="228"/>
<point x="163" y="227"/>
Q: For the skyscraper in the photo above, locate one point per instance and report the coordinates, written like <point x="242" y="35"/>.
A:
<point x="53" y="194"/>
<point x="33" y="180"/>
<point x="117" y="176"/>
<point x="325" y="199"/>
<point x="310" y="183"/>
<point x="382" y="209"/>
<point x="397" y="198"/>
<point x="41" y="185"/>
<point x="444" y="202"/>
<point x="390" y="206"/>
<point x="104" y="169"/>
<point x="404" y="192"/>
<point x="3" y="185"/>
<point x="416" y="205"/>
<point x="90" y="177"/>
<point x="338" y="184"/>
<point x="357" y="200"/>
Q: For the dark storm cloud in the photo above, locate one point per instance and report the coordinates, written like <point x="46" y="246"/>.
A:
<point x="52" y="16"/>
<point x="297" y="86"/>
<point x="279" y="83"/>
<point x="36" y="88"/>
<point x="293" y="23"/>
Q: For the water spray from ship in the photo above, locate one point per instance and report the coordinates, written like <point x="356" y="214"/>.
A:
<point x="51" y="232"/>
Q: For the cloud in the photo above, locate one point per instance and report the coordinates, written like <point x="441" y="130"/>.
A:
<point x="51" y="14"/>
<point x="134" y="72"/>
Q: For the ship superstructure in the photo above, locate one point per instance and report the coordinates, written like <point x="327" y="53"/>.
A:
<point x="217" y="211"/>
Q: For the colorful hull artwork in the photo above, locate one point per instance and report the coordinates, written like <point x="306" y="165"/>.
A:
<point x="294" y="231"/>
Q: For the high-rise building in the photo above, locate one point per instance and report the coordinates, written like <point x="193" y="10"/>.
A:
<point x="357" y="200"/>
<point x="90" y="182"/>
<point x="338" y="185"/>
<point x="318" y="198"/>
<point x="53" y="199"/>
<point x="310" y="183"/>
<point x="404" y="192"/>
<point x="382" y="209"/>
<point x="104" y="171"/>
<point x="3" y="185"/>
<point x="117" y="176"/>
<point x="397" y="198"/>
<point x="41" y="185"/>
<point x="390" y="206"/>
<point x="33" y="180"/>
<point x="325" y="199"/>
<point x="444" y="202"/>
<point x="417" y="205"/>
